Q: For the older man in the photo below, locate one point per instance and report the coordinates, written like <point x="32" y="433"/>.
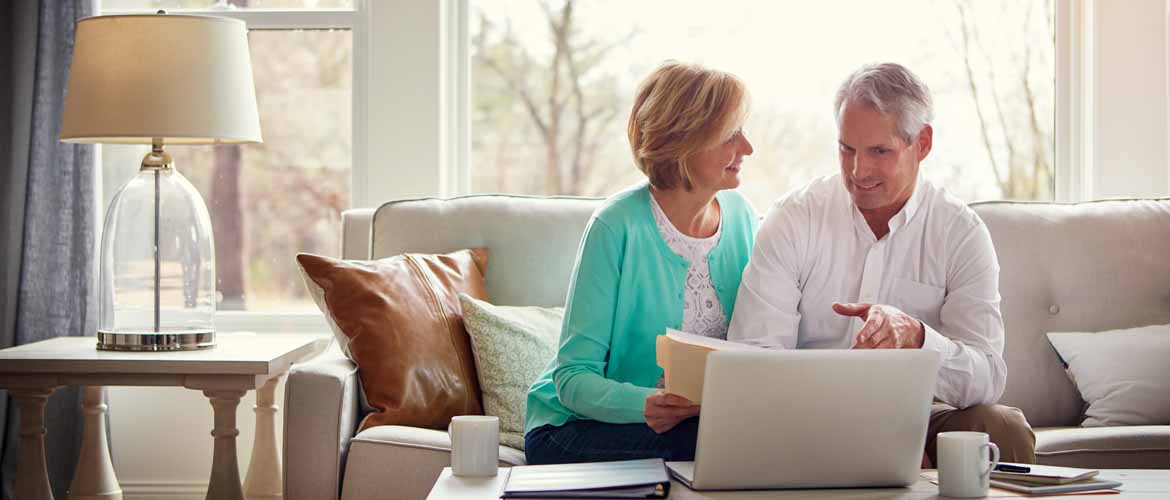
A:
<point x="877" y="258"/>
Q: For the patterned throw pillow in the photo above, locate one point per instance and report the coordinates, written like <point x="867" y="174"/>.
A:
<point x="512" y="346"/>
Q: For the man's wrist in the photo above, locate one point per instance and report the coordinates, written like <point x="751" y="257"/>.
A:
<point x="920" y="340"/>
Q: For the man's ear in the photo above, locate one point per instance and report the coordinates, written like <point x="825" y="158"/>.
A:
<point x="925" y="141"/>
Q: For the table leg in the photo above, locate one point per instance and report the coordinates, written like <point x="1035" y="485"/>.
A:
<point x="264" y="481"/>
<point x="32" y="476"/>
<point x="94" y="478"/>
<point x="225" y="469"/>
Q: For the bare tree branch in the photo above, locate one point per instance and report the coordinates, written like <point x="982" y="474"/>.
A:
<point x="1040" y="164"/>
<point x="521" y="91"/>
<point x="1013" y="181"/>
<point x="965" y="50"/>
<point x="570" y="109"/>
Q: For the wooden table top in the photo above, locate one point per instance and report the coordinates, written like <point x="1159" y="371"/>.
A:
<point x="233" y="354"/>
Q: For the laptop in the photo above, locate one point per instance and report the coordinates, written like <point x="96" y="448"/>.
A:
<point x="812" y="419"/>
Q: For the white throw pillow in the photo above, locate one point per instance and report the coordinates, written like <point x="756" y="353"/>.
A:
<point x="512" y="347"/>
<point x="1124" y="375"/>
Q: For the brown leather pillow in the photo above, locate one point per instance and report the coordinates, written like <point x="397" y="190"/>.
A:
<point x="399" y="319"/>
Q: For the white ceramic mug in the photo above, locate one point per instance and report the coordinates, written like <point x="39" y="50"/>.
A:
<point x="475" y="441"/>
<point x="964" y="468"/>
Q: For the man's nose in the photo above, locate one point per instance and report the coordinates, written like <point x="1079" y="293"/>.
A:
<point x="860" y="166"/>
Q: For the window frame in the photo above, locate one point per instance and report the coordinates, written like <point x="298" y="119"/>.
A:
<point x="1073" y="170"/>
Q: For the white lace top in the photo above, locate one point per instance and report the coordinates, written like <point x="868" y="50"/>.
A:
<point x="702" y="311"/>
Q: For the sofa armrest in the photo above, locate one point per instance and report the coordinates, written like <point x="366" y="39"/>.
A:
<point x="392" y="462"/>
<point x="321" y="415"/>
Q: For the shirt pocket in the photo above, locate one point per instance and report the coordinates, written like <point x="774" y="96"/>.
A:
<point x="923" y="302"/>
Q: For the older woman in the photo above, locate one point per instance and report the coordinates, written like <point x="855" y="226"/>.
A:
<point x="664" y="254"/>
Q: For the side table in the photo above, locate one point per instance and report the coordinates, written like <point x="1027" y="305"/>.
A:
<point x="224" y="373"/>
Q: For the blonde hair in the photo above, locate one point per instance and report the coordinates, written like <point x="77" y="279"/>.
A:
<point x="681" y="110"/>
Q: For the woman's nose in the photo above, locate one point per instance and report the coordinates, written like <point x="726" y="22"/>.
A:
<point x="746" y="146"/>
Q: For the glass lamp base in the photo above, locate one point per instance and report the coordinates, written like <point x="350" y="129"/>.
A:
<point x="179" y="340"/>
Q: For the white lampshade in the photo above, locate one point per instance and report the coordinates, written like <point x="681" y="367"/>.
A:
<point x="184" y="79"/>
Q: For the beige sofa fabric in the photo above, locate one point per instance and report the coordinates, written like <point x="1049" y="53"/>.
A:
<point x="355" y="233"/>
<point x="1080" y="267"/>
<point x="320" y="417"/>
<point x="1134" y="447"/>
<point x="402" y="462"/>
<point x="533" y="241"/>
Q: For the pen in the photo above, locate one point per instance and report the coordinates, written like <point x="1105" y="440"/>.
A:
<point x="1013" y="468"/>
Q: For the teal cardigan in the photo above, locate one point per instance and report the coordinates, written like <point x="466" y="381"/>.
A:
<point x="626" y="290"/>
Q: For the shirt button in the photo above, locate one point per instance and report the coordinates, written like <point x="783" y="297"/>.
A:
<point x="1053" y="309"/>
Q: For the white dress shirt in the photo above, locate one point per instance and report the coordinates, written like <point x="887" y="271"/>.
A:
<point x="937" y="264"/>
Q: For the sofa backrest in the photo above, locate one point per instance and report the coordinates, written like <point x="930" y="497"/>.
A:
<point x="1073" y="267"/>
<point x="1064" y="267"/>
<point x="532" y="241"/>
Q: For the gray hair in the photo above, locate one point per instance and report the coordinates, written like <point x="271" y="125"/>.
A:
<point x="891" y="89"/>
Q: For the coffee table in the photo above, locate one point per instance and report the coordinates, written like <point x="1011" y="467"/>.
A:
<point x="238" y="363"/>
<point x="1138" y="483"/>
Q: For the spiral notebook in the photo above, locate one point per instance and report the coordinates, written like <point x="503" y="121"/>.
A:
<point x="624" y="479"/>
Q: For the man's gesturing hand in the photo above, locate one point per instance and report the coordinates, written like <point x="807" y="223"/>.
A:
<point x="664" y="410"/>
<point x="886" y="327"/>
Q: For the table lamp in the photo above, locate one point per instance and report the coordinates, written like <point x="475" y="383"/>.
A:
<point x="159" y="79"/>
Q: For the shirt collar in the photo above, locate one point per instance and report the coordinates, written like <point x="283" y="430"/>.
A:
<point x="899" y="220"/>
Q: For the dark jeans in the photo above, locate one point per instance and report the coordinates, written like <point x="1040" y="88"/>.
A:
<point x="593" y="441"/>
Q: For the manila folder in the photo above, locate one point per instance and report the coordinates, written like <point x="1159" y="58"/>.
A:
<point x="683" y="359"/>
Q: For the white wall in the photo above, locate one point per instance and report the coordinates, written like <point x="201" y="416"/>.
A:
<point x="1130" y="99"/>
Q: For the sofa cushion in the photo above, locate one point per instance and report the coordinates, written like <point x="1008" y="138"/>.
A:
<point x="399" y="320"/>
<point x="1133" y="392"/>
<point x="533" y="239"/>
<point x="512" y="347"/>
<point x="1135" y="447"/>
<point x="1084" y="267"/>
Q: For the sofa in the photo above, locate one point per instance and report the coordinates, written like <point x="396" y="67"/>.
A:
<point x="1064" y="267"/>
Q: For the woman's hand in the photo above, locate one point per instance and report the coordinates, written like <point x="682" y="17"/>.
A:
<point x="664" y="410"/>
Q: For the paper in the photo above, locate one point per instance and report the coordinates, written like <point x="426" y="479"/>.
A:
<point x="683" y="359"/>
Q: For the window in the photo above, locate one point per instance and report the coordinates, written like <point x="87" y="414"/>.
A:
<point x="268" y="201"/>
<point x="990" y="66"/>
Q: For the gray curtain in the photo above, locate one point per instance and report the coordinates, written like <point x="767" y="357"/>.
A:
<point x="47" y="217"/>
